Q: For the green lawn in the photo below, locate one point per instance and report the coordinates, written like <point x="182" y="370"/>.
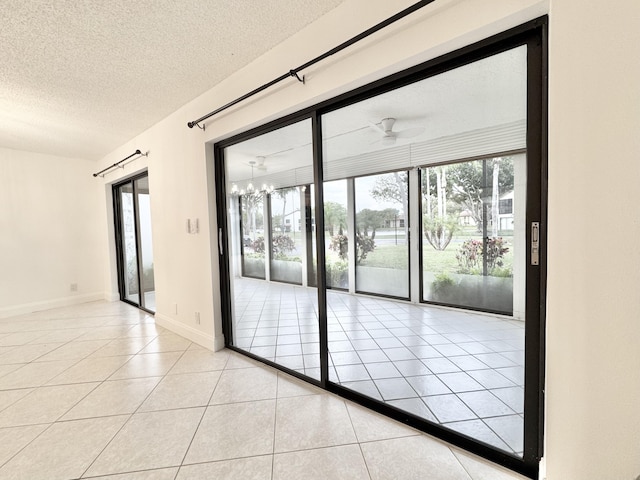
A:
<point x="392" y="256"/>
<point x="395" y="256"/>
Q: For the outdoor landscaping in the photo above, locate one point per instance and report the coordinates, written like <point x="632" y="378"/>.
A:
<point x="467" y="236"/>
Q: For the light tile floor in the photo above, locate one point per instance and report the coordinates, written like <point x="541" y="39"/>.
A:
<point x="99" y="391"/>
<point x="461" y="369"/>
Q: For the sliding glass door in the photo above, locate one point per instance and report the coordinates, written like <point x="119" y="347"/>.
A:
<point x="383" y="247"/>
<point x="435" y="175"/>
<point x="134" y="244"/>
<point x="270" y="227"/>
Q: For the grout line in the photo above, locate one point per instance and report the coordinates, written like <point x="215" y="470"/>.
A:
<point x="401" y="318"/>
<point x="275" y="426"/>
<point x="26" y="445"/>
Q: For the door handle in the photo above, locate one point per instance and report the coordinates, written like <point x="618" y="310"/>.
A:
<point x="220" y="241"/>
<point x="535" y="243"/>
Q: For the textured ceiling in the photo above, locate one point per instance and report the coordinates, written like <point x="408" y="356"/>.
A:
<point x="80" y="78"/>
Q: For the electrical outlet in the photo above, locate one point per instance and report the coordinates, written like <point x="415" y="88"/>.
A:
<point x="74" y="287"/>
<point x="197" y="318"/>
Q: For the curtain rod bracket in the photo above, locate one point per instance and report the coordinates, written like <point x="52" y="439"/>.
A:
<point x="293" y="73"/>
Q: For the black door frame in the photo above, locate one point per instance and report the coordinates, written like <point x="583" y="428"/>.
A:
<point x="120" y="253"/>
<point x="534" y="35"/>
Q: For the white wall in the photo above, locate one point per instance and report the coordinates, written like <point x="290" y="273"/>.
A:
<point x="50" y="236"/>
<point x="593" y="359"/>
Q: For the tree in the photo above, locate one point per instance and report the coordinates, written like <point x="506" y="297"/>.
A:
<point x="252" y="212"/>
<point x="388" y="215"/>
<point x="335" y="215"/>
<point x="439" y="230"/>
<point x="370" y="220"/>
<point x="340" y="245"/>
<point x="438" y="226"/>
<point x="367" y="219"/>
<point x="283" y="193"/>
<point x="469" y="185"/>
<point x="495" y="197"/>
<point x="393" y="187"/>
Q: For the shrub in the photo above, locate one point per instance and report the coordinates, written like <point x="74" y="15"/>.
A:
<point x="340" y="244"/>
<point x="442" y="282"/>
<point x="470" y="256"/>
<point x="336" y="273"/>
<point x="258" y="245"/>
<point x="495" y="251"/>
<point x="364" y="245"/>
<point x="281" y="246"/>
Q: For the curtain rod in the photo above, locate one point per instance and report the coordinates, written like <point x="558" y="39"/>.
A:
<point x="294" y="72"/>
<point x="137" y="152"/>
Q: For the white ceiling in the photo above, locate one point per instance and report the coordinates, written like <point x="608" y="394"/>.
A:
<point x="78" y="79"/>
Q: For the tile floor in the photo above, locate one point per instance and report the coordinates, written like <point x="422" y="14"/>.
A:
<point x="99" y="391"/>
<point x="461" y="369"/>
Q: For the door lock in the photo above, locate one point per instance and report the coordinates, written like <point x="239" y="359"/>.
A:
<point x="535" y="243"/>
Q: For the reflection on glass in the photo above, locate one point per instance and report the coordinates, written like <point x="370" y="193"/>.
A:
<point x="310" y="215"/>
<point x="463" y="371"/>
<point x="336" y="234"/>
<point x="382" y="254"/>
<point x="468" y="225"/>
<point x="253" y="241"/>
<point x="146" y="244"/>
<point x="129" y="244"/>
<point x="270" y="220"/>
<point x="287" y="235"/>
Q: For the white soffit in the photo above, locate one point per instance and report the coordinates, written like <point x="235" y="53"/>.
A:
<point x="78" y="79"/>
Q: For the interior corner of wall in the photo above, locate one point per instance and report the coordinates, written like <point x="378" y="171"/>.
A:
<point x="218" y="343"/>
<point x="111" y="296"/>
<point x="203" y="339"/>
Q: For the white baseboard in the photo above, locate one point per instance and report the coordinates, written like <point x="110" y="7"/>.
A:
<point x="196" y="336"/>
<point x="26" y="308"/>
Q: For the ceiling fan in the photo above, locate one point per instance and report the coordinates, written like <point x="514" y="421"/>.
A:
<point x="389" y="136"/>
<point x="258" y="163"/>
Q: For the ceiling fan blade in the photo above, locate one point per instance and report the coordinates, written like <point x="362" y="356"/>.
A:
<point x="410" y="132"/>
<point x="378" y="127"/>
<point x="385" y="140"/>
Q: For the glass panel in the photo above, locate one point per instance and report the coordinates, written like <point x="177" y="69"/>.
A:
<point x="336" y="234"/>
<point x="274" y="320"/>
<point x="310" y="205"/>
<point x="382" y="254"/>
<point x="473" y="220"/>
<point x="253" y="244"/>
<point x="146" y="245"/>
<point x="286" y="235"/>
<point x="129" y="248"/>
<point x="461" y="369"/>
